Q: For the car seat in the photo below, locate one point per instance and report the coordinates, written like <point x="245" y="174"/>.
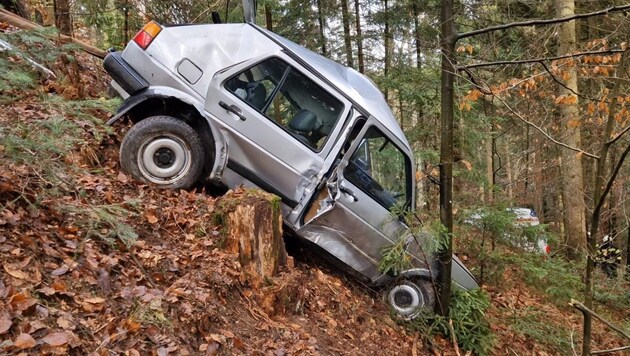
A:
<point x="256" y="94"/>
<point x="303" y="124"/>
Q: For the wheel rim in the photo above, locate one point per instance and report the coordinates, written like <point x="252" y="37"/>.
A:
<point x="164" y="159"/>
<point x="406" y="299"/>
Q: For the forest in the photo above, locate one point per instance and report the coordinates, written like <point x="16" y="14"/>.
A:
<point x="518" y="114"/>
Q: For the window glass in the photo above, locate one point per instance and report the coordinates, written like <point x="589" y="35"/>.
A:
<point x="289" y="99"/>
<point x="381" y="170"/>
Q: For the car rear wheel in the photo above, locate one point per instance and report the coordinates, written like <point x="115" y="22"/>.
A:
<point x="163" y="150"/>
<point x="410" y="298"/>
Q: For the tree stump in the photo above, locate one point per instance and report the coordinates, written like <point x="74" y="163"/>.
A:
<point x="253" y="222"/>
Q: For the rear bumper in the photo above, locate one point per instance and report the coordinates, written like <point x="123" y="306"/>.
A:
<point x="123" y="74"/>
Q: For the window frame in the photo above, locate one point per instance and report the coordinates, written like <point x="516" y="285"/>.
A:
<point x="291" y="67"/>
<point x="407" y="168"/>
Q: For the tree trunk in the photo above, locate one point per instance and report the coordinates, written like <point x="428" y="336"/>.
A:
<point x="347" y="37"/>
<point x="63" y="20"/>
<point x="254" y="230"/>
<point x="448" y="39"/>
<point x="322" y="26"/>
<point x="359" y="37"/>
<point x="388" y="46"/>
<point x="416" y="33"/>
<point x="268" y="18"/>
<point x="571" y="169"/>
<point x="15" y="6"/>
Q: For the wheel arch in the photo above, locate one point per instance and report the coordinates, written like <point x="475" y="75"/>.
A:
<point x="168" y="101"/>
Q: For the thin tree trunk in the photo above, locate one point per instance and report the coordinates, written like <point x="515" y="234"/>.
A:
<point x="388" y="46"/>
<point x="416" y="33"/>
<point x="359" y="38"/>
<point x="63" y="20"/>
<point x="448" y="39"/>
<point x="15" y="6"/>
<point x="347" y="37"/>
<point x="268" y="18"/>
<point x="322" y="26"/>
<point x="571" y="169"/>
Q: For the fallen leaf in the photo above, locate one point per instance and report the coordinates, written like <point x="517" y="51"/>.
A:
<point x="61" y="270"/>
<point x="56" y="339"/>
<point x="151" y="218"/>
<point x="5" y="325"/>
<point x="16" y="273"/>
<point x="25" y="341"/>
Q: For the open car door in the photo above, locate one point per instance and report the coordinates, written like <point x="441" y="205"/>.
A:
<point x="357" y="213"/>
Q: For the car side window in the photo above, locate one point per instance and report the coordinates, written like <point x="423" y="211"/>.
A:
<point x="381" y="170"/>
<point x="289" y="99"/>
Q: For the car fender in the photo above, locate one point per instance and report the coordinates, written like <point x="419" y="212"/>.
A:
<point x="221" y="149"/>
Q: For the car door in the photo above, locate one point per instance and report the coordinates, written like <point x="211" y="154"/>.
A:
<point x="279" y="123"/>
<point x="358" y="213"/>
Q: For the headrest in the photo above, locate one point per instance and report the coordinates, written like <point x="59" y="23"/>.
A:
<point x="256" y="94"/>
<point x="305" y="121"/>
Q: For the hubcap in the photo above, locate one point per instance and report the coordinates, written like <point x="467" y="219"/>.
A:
<point x="164" y="159"/>
<point x="406" y="299"/>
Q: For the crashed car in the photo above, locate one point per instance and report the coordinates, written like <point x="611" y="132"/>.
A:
<point x="235" y="104"/>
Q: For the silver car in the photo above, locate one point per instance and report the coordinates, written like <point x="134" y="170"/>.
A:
<point x="235" y="104"/>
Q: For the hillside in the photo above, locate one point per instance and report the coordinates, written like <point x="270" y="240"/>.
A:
<point x="93" y="262"/>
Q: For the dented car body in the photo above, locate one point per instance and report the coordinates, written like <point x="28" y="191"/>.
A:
<point x="271" y="114"/>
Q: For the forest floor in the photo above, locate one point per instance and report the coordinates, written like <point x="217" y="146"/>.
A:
<point x="95" y="263"/>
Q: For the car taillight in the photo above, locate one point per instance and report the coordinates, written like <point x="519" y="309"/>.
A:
<point x="547" y="249"/>
<point x="147" y="34"/>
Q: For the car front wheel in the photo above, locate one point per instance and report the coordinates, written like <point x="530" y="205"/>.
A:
<point x="163" y="150"/>
<point x="409" y="298"/>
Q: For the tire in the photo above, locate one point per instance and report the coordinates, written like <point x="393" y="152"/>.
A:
<point x="163" y="150"/>
<point x="409" y="298"/>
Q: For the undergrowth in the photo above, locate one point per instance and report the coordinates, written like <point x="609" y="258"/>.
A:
<point x="43" y="139"/>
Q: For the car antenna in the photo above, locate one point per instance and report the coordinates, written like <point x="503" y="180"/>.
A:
<point x="216" y="18"/>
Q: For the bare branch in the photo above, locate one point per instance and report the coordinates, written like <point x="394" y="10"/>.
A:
<point x="609" y="351"/>
<point x="610" y="182"/>
<point x="618" y="136"/>
<point x="555" y="79"/>
<point x="542" y="22"/>
<point x="585" y="310"/>
<point x="537" y="60"/>
<point x="539" y="129"/>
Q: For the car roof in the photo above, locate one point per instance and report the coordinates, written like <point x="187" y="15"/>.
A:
<point x="357" y="87"/>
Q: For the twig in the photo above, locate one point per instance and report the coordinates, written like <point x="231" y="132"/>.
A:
<point x="453" y="337"/>
<point x="618" y="136"/>
<point x="599" y="352"/>
<point x="539" y="129"/>
<point x="542" y="22"/>
<point x="142" y="269"/>
<point x="584" y="309"/>
<point x="537" y="60"/>
<point x="555" y="79"/>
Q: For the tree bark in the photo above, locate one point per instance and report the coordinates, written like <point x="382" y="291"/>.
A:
<point x="359" y="38"/>
<point x="63" y="20"/>
<point x="448" y="38"/>
<point x="416" y="33"/>
<point x="571" y="169"/>
<point x="322" y="26"/>
<point x="15" y="6"/>
<point x="387" y="41"/>
<point x="254" y="230"/>
<point x="347" y="37"/>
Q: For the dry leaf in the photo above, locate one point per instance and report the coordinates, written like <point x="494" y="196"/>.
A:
<point x="60" y="271"/>
<point x="5" y="324"/>
<point x="56" y="339"/>
<point x="151" y="218"/>
<point x="467" y="164"/>
<point x="16" y="273"/>
<point x="25" y="341"/>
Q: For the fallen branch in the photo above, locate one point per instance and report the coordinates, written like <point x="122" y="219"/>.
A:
<point x="17" y="21"/>
<point x="581" y="307"/>
<point x="616" y="349"/>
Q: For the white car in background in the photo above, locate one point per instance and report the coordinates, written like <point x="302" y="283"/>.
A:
<point x="522" y="233"/>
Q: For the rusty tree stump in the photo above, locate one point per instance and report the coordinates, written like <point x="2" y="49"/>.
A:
<point x="253" y="223"/>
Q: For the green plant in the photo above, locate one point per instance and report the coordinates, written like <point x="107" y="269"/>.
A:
<point x="466" y="320"/>
<point x="535" y="324"/>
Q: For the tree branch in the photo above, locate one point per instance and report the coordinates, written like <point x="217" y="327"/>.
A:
<point x="618" y="136"/>
<point x="585" y="310"/>
<point x="609" y="351"/>
<point x="537" y="60"/>
<point x="611" y="180"/>
<point x="555" y="79"/>
<point x="539" y="129"/>
<point x="542" y="22"/>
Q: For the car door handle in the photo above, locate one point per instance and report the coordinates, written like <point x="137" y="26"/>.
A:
<point x="233" y="109"/>
<point x="349" y="192"/>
